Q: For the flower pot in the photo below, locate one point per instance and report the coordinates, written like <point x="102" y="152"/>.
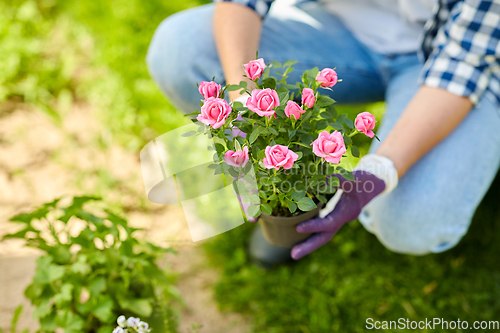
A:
<point x="280" y="231"/>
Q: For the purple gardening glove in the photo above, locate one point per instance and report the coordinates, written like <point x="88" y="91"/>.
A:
<point x="356" y="195"/>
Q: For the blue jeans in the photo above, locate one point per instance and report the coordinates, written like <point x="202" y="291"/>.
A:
<point x="432" y="207"/>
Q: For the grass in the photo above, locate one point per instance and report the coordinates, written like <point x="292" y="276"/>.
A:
<point x="57" y="53"/>
<point x="354" y="277"/>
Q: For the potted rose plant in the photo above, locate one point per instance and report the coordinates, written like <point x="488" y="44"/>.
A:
<point x="290" y="134"/>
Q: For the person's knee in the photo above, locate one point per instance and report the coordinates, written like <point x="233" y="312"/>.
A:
<point x="164" y="58"/>
<point x="415" y="231"/>
<point x="177" y="51"/>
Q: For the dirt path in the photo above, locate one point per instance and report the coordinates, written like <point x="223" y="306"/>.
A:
<point x="40" y="161"/>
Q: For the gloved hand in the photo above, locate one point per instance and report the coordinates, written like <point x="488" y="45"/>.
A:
<point x="356" y="195"/>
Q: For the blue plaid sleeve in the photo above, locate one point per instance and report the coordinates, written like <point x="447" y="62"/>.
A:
<point x="466" y="50"/>
<point x="261" y="7"/>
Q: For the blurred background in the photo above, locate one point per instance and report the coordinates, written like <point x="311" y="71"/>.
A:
<point x="76" y="106"/>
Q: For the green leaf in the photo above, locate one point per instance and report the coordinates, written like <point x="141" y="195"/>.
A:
<point x="270" y="82"/>
<point x="141" y="307"/>
<point x="20" y="234"/>
<point x="289" y="63"/>
<point x="306" y="116"/>
<point x="324" y="100"/>
<point x="254" y="199"/>
<point x="47" y="272"/>
<point x="292" y="86"/>
<point x="333" y="181"/>
<point x="65" y="295"/>
<point x="243" y="84"/>
<point x="43" y="309"/>
<point x="354" y="151"/>
<point x="331" y="111"/>
<point x="349" y="123"/>
<point x="322" y="124"/>
<point x="255" y="135"/>
<point x="346" y="174"/>
<point x="298" y="195"/>
<point x="97" y="286"/>
<point x="275" y="179"/>
<point x="341" y="118"/>
<point x="321" y="198"/>
<point x="240" y="187"/>
<point x="306" y="204"/>
<point x="33" y="291"/>
<point x="48" y="323"/>
<point x="283" y="97"/>
<point x="71" y="322"/>
<point x="292" y="206"/>
<point x="219" y="148"/>
<point x="24" y="218"/>
<point x="106" y="329"/>
<point x="192" y="114"/>
<point x="15" y="318"/>
<point x="253" y="211"/>
<point x="266" y="209"/>
<point x="288" y="71"/>
<point x="237" y="105"/>
<point x="336" y="126"/>
<point x="104" y="310"/>
<point x="187" y="134"/>
<point x="233" y="87"/>
<point x="276" y="64"/>
<point x="62" y="254"/>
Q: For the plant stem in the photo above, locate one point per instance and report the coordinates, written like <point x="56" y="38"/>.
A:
<point x="353" y="133"/>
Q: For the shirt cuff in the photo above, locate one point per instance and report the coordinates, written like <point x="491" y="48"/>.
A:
<point x="381" y="167"/>
<point x="458" y="77"/>
<point x="261" y="7"/>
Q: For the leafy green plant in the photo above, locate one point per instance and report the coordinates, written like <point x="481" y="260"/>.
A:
<point x="93" y="269"/>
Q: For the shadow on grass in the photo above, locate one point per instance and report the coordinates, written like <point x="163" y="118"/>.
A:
<point x="354" y="278"/>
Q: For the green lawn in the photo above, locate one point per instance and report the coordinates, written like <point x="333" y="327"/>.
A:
<point x="354" y="278"/>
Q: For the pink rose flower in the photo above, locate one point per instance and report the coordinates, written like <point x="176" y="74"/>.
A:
<point x="263" y="101"/>
<point x="237" y="158"/>
<point x="365" y="122"/>
<point x="293" y="109"/>
<point x="214" y="112"/>
<point x="327" y="77"/>
<point x="255" y="68"/>
<point x="209" y="89"/>
<point x="279" y="156"/>
<point x="308" y="97"/>
<point x="331" y="147"/>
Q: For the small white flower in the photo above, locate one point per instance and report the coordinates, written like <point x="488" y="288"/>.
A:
<point x="133" y="322"/>
<point x="122" y="321"/>
<point x="118" y="330"/>
<point x="143" y="327"/>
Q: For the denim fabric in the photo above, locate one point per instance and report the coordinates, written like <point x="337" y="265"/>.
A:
<point x="432" y="206"/>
